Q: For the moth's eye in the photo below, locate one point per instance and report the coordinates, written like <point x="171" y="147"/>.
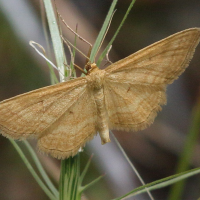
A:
<point x="88" y="67"/>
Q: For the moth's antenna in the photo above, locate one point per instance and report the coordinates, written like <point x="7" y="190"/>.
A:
<point x="72" y="57"/>
<point x="67" y="41"/>
<point x="105" y="34"/>
<point x="81" y="38"/>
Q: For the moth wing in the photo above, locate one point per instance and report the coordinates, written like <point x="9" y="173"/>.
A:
<point x="72" y="130"/>
<point x="132" y="107"/>
<point x="135" y="86"/>
<point x="159" y="63"/>
<point x="31" y="113"/>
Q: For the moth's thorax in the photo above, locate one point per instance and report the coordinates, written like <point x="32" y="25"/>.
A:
<point x="96" y="78"/>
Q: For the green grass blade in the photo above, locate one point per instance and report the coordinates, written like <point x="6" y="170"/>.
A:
<point x="102" y="31"/>
<point x="116" y="33"/>
<point x="69" y="179"/>
<point x="85" y="171"/>
<point x="30" y="168"/>
<point x="62" y="180"/>
<point x="161" y="183"/>
<point x="41" y="169"/>
<point x="91" y="183"/>
<point x="55" y="36"/>
<point x="47" y="40"/>
<point x="132" y="166"/>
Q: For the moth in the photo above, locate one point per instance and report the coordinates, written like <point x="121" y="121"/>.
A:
<point x="126" y="96"/>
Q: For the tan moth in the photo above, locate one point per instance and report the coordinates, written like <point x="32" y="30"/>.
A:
<point x="126" y="95"/>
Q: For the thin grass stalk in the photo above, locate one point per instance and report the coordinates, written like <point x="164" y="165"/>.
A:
<point x="41" y="169"/>
<point x="131" y="164"/>
<point x="160" y="183"/>
<point x="32" y="171"/>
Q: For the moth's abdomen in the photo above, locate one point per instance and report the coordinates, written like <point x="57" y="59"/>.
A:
<point x="95" y="82"/>
<point x="102" y="116"/>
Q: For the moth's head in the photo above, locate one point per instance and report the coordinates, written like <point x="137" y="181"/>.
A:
<point x="90" y="67"/>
